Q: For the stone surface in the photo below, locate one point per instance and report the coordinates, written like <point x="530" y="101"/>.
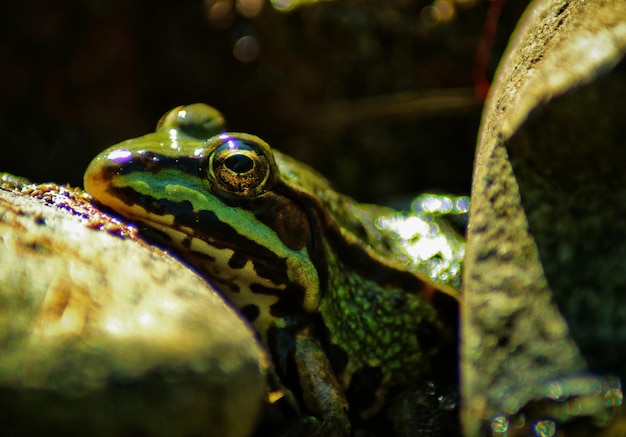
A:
<point x="104" y="336"/>
<point x="546" y="245"/>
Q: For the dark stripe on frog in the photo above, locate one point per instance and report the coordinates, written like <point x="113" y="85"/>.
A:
<point x="156" y="236"/>
<point x="151" y="162"/>
<point x="250" y="312"/>
<point x="286" y="304"/>
<point x="237" y="261"/>
<point x="201" y="255"/>
<point x="186" y="243"/>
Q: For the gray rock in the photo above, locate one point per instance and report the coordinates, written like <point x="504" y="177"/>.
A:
<point x="105" y="336"/>
<point x="544" y="271"/>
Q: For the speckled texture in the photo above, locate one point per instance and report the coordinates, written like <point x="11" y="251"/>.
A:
<point x="377" y="326"/>
<point x="104" y="336"/>
<point x="545" y="250"/>
<point x="573" y="190"/>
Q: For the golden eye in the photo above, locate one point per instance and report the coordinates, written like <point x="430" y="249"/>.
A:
<point x="241" y="164"/>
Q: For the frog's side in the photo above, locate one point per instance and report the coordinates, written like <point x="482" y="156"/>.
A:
<point x="352" y="300"/>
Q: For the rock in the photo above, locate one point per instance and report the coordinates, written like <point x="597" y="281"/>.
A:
<point x="103" y="335"/>
<point x="544" y="271"/>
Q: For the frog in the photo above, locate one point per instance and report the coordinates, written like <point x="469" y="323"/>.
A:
<point x="353" y="301"/>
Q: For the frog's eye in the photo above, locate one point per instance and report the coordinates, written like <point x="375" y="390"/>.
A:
<point x="241" y="165"/>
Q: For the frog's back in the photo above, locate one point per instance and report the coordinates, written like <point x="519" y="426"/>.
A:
<point x="423" y="244"/>
<point x="386" y="323"/>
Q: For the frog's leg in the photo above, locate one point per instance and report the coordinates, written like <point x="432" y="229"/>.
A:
<point x="321" y="391"/>
<point x="300" y="358"/>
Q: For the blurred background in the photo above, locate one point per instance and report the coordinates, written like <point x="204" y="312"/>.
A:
<point x="383" y="97"/>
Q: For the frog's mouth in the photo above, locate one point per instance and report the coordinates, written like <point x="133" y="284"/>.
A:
<point x="200" y="232"/>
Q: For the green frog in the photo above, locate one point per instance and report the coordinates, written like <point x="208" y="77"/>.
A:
<point x="353" y="301"/>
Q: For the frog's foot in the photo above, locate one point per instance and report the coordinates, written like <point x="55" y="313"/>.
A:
<point x="575" y="401"/>
<point x="320" y="405"/>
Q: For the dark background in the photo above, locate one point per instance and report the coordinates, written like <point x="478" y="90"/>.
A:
<point x="78" y="76"/>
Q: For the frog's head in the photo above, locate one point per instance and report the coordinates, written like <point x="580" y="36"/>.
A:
<point x="218" y="200"/>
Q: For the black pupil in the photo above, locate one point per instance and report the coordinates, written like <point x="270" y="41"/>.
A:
<point x="239" y="163"/>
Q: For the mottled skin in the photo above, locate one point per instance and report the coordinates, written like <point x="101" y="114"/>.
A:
<point x="348" y="307"/>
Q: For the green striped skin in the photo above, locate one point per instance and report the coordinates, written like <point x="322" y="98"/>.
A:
<point x="366" y="285"/>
